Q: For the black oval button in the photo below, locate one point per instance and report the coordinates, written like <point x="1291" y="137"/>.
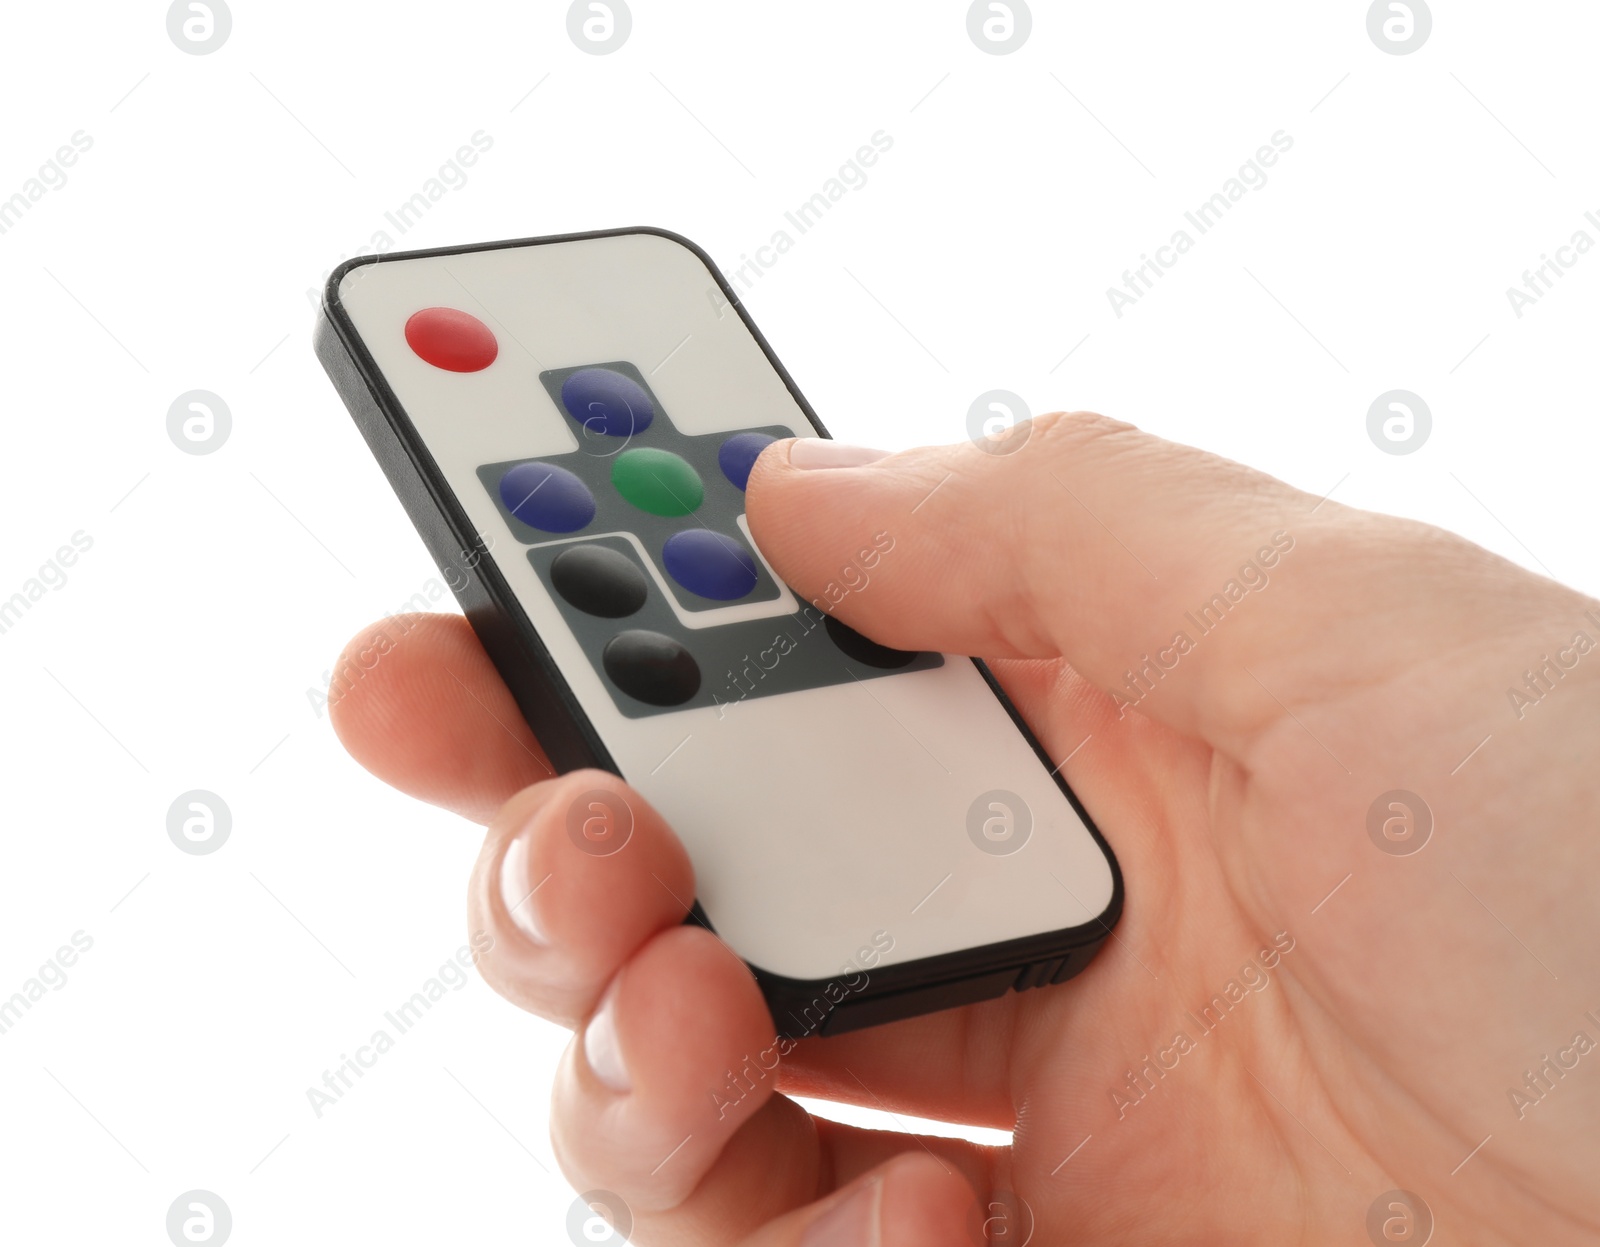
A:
<point x="864" y="649"/>
<point x="599" y="580"/>
<point x="651" y="667"/>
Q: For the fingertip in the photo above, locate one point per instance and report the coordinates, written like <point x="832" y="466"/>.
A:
<point x="911" y="1200"/>
<point x="415" y="700"/>
<point x="927" y="1203"/>
<point x="811" y="501"/>
<point x="366" y="696"/>
<point x="575" y="875"/>
<point x="677" y="1056"/>
<point x="770" y="463"/>
<point x="347" y="697"/>
<point x="687" y="985"/>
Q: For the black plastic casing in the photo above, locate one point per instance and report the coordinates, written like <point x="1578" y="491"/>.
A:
<point x="799" y="1007"/>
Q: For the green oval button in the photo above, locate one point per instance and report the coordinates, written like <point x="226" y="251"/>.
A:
<point x="657" y="481"/>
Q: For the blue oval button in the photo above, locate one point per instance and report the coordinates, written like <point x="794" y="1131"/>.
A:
<point x="603" y="401"/>
<point x="710" y="564"/>
<point x="546" y="497"/>
<point x="738" y="454"/>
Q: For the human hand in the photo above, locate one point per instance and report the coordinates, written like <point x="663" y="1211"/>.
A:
<point x="1293" y="1017"/>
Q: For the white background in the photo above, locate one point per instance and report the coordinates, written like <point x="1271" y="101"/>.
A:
<point x="220" y="188"/>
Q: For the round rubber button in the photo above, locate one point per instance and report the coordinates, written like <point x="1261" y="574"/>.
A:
<point x="710" y="564"/>
<point x="651" y="667"/>
<point x="450" y="339"/>
<point x="737" y="456"/>
<point x="604" y="401"/>
<point x="599" y="581"/>
<point x="657" y="481"/>
<point x="546" y="497"/>
<point x="863" y="649"/>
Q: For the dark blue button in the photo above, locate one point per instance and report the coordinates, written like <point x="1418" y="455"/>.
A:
<point x="546" y="497"/>
<point x="738" y="455"/>
<point x="603" y="401"/>
<point x="710" y="564"/>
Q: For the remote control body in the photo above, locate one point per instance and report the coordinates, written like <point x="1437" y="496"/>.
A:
<point x="570" y="422"/>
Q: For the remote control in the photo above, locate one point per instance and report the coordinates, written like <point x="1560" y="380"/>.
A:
<point x="570" y="423"/>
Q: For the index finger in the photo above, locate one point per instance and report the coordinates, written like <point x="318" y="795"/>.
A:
<point x="417" y="702"/>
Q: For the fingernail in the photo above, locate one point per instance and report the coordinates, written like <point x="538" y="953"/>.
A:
<point x="516" y="892"/>
<point x="822" y="452"/>
<point x="600" y="1046"/>
<point x="851" y="1223"/>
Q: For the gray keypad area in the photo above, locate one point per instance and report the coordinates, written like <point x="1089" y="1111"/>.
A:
<point x="681" y="498"/>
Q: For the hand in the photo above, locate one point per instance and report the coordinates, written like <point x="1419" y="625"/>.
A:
<point x="1301" y="1009"/>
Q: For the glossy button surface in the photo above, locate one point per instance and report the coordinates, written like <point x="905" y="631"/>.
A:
<point x="454" y="340"/>
<point x="651" y="667"/>
<point x="599" y="580"/>
<point x="607" y="402"/>
<point x="657" y="481"/>
<point x="710" y="564"/>
<point x="546" y="497"/>
<point x="738" y="454"/>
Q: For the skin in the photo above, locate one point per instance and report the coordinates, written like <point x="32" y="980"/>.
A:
<point x="1377" y="1052"/>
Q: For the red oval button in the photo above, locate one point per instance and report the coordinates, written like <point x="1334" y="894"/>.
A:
<point x="451" y="339"/>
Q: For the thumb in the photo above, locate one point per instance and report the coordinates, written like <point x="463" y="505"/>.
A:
<point x="1209" y="595"/>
